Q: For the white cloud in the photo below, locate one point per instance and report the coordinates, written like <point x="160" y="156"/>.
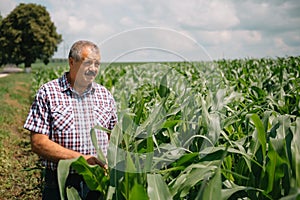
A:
<point x="250" y="28"/>
<point x="126" y="21"/>
<point x="6" y="7"/>
<point x="209" y="15"/>
<point x="76" y="25"/>
<point x="154" y="39"/>
<point x="267" y="17"/>
<point x="280" y="44"/>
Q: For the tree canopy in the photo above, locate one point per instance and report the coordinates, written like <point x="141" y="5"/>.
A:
<point x="28" y="34"/>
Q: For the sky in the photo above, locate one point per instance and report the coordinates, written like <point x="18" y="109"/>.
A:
<point x="176" y="30"/>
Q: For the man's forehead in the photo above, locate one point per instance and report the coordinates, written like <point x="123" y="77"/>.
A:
<point x="89" y="53"/>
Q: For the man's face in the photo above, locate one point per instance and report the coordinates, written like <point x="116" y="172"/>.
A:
<point x="85" y="70"/>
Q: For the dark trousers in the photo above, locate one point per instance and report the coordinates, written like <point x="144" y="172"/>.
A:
<point x="51" y="188"/>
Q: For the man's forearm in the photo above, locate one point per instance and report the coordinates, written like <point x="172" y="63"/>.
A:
<point x="41" y="145"/>
<point x="50" y="150"/>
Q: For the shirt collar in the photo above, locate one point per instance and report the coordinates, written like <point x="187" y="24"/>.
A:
<point x="65" y="85"/>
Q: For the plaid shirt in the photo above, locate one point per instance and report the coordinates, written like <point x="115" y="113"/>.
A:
<point x="67" y="117"/>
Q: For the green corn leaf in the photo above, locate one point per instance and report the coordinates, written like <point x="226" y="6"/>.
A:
<point x="213" y="189"/>
<point x="163" y="90"/>
<point x="115" y="154"/>
<point x="138" y="192"/>
<point x="63" y="169"/>
<point x="110" y="192"/>
<point x="139" y="111"/>
<point x="232" y="188"/>
<point x="130" y="167"/>
<point x="296" y="152"/>
<point x="150" y="154"/>
<point x="72" y="193"/>
<point x="100" y="154"/>
<point x="186" y="158"/>
<point x="189" y="177"/>
<point x="170" y="123"/>
<point x="212" y="150"/>
<point x="295" y="195"/>
<point x="157" y="188"/>
<point x="149" y="124"/>
<point x="261" y="135"/>
<point x="94" y="175"/>
<point x="226" y="193"/>
<point x="274" y="167"/>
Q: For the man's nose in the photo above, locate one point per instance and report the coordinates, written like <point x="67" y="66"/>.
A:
<point x="94" y="67"/>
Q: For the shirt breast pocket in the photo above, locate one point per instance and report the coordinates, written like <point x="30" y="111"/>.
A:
<point x="102" y="116"/>
<point x="62" y="118"/>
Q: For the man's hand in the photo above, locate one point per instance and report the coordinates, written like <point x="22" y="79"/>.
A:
<point x="92" y="160"/>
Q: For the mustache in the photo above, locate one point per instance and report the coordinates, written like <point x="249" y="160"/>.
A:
<point x="90" y="73"/>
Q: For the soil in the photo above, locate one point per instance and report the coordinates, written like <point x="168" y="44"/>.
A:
<point x="19" y="171"/>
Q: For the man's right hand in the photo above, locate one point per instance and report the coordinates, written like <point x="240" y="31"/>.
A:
<point x="92" y="160"/>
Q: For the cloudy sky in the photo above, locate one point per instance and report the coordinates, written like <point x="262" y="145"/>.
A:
<point x="175" y="29"/>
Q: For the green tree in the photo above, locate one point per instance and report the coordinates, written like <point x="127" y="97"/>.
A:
<point x="28" y="34"/>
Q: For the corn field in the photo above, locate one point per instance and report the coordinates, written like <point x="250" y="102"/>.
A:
<point x="227" y="129"/>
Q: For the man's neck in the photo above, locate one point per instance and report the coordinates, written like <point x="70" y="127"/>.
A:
<point x="78" y="88"/>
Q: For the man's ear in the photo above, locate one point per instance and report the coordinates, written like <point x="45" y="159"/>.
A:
<point x="71" y="62"/>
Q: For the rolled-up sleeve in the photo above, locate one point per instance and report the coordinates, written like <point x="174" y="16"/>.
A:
<point x="38" y="119"/>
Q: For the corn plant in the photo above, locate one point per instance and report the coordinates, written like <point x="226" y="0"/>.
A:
<point x="227" y="129"/>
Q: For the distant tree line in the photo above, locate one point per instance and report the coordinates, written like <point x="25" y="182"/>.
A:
<point x="58" y="60"/>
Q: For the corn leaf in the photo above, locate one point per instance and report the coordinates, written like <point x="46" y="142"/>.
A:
<point x="157" y="188"/>
<point x="72" y="193"/>
<point x="63" y="169"/>
<point x="213" y="189"/>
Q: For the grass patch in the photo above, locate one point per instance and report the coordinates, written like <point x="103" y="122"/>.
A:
<point x="16" y="181"/>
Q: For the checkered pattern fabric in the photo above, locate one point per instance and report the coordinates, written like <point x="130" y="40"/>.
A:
<point x="67" y="117"/>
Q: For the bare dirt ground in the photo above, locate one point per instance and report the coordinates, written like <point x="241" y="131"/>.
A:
<point x="18" y="177"/>
<point x="9" y="69"/>
<point x="3" y="75"/>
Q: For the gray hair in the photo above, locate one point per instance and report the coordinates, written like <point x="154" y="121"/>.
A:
<point x="76" y="49"/>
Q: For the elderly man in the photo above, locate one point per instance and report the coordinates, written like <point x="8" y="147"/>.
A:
<point x="62" y="114"/>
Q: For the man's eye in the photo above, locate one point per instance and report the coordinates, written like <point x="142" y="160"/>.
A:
<point x="87" y="63"/>
<point x="97" y="64"/>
